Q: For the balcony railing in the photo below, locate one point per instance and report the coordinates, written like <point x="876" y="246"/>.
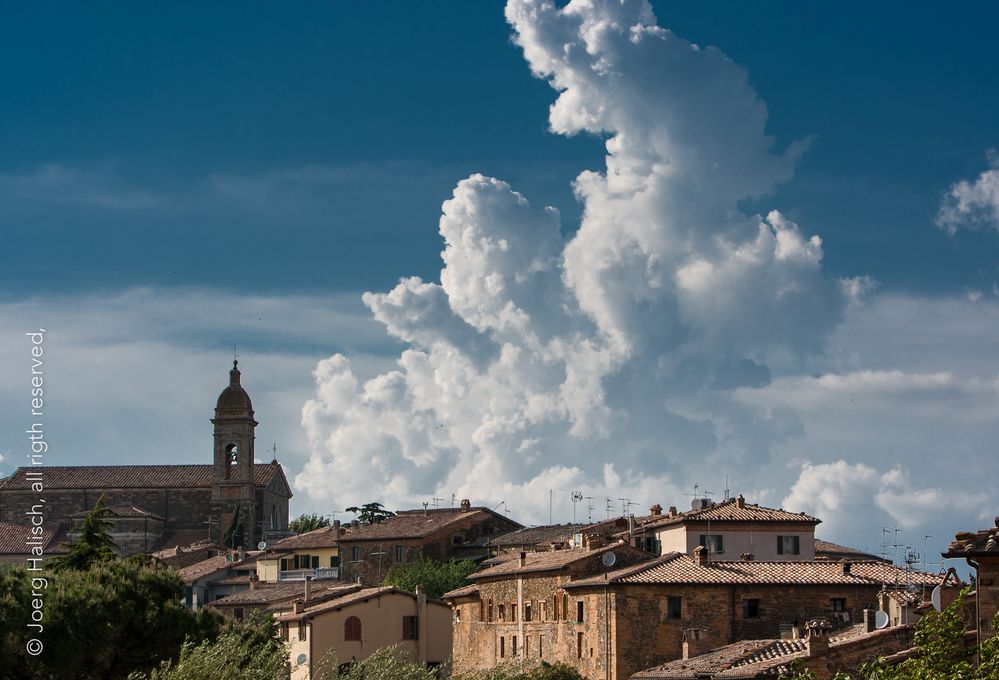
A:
<point x="318" y="574"/>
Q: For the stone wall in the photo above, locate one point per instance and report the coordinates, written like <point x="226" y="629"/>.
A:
<point x="988" y="594"/>
<point x="848" y="657"/>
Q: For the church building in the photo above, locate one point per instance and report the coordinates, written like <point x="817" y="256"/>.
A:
<point x="232" y="501"/>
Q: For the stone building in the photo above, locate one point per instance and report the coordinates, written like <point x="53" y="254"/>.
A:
<point x="350" y="628"/>
<point x="314" y="554"/>
<point x="158" y="506"/>
<point x="730" y="530"/>
<point x="614" y="624"/>
<point x="367" y="551"/>
<point x="981" y="551"/>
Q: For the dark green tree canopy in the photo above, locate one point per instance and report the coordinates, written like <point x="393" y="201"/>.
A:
<point x="94" y="544"/>
<point x="431" y="576"/>
<point x="371" y="512"/>
<point x="304" y="523"/>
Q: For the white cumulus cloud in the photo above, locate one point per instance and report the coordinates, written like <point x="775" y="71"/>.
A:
<point x="973" y="203"/>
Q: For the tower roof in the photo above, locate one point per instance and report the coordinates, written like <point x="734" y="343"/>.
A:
<point x="234" y="401"/>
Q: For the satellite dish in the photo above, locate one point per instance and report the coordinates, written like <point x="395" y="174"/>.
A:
<point x="608" y="559"/>
<point x="301" y="659"/>
<point x="935" y="598"/>
<point x="880" y="619"/>
<point x="261" y="546"/>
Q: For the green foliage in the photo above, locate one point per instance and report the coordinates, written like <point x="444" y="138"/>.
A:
<point x="386" y="663"/>
<point x="371" y="512"/>
<point x="108" y="621"/>
<point x="797" y="670"/>
<point x="233" y="537"/>
<point x="250" y="651"/>
<point x="94" y="543"/>
<point x="433" y="577"/>
<point x="304" y="523"/>
<point x="520" y="669"/>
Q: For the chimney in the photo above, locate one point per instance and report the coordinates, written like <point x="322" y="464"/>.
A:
<point x="846" y="568"/>
<point x="298" y="607"/>
<point x="336" y="524"/>
<point x="241" y="554"/>
<point x="591" y="541"/>
<point x="700" y="556"/>
<point x="740" y="502"/>
<point x="672" y="511"/>
<point x="656" y="510"/>
<point x="869" y="624"/>
<point x="523" y="559"/>
<point x="254" y="581"/>
<point x="816" y="637"/>
<point x="747" y="557"/>
<point x="355" y="523"/>
<point x="466" y="505"/>
<point x="308" y="588"/>
<point x="695" y="642"/>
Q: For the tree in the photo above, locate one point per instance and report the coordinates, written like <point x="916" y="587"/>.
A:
<point x="233" y="537"/>
<point x="94" y="544"/>
<point x="371" y="512"/>
<point x="304" y="523"/>
<point x="250" y="651"/>
<point x="433" y="577"/>
<point x="107" y="621"/>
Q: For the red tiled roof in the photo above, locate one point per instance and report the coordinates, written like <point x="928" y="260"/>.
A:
<point x="678" y="568"/>
<point x="532" y="536"/>
<point x="735" y="510"/>
<point x="282" y="591"/>
<point x="130" y="476"/>
<point x="825" y="550"/>
<point x="199" y="570"/>
<point x="324" y="537"/>
<point x="14" y="539"/>
<point x="967" y="544"/>
<point x="339" y="603"/>
<point x="416" y="523"/>
<point x="550" y="560"/>
<point x="466" y="591"/>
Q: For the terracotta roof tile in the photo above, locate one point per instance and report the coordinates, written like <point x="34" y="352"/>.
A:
<point x="200" y="570"/>
<point x="733" y="510"/>
<point x="415" y="523"/>
<point x="826" y="550"/>
<point x="130" y="511"/>
<point x="550" y="560"/>
<point x="339" y="603"/>
<point x="466" y="591"/>
<point x="680" y="568"/>
<point x="324" y="537"/>
<point x="967" y="544"/>
<point x="272" y="593"/>
<point x="129" y="476"/>
<point x="14" y="538"/>
<point x="532" y="536"/>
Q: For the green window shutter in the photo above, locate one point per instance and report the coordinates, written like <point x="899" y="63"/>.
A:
<point x="780" y="545"/>
<point x="797" y="545"/>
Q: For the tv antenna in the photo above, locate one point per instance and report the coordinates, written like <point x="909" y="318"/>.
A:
<point x="608" y="507"/>
<point x="576" y="498"/>
<point x="626" y="504"/>
<point x="589" y="508"/>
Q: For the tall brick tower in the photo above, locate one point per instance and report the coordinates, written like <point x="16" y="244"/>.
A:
<point x="233" y="499"/>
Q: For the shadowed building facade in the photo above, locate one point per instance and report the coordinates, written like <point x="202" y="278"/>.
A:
<point x="159" y="506"/>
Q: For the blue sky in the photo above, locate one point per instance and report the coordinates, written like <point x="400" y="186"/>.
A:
<point x="150" y="103"/>
<point x="175" y="179"/>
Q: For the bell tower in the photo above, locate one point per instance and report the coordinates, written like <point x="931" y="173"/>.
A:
<point x="233" y="498"/>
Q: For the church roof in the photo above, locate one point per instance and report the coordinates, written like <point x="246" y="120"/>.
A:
<point x="129" y="476"/>
<point x="234" y="401"/>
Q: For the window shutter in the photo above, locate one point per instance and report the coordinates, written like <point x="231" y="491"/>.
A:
<point x="797" y="545"/>
<point x="780" y="545"/>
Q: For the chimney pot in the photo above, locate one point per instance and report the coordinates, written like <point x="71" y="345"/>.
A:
<point x="847" y="566"/>
<point x="869" y="624"/>
<point x="466" y="505"/>
<point x="656" y="510"/>
<point x="747" y="557"/>
<point x="336" y="524"/>
<point x="740" y="502"/>
<point x="700" y="556"/>
<point x="672" y="511"/>
<point x="298" y="607"/>
<point x="816" y="638"/>
<point x="308" y="588"/>
<point x="523" y="558"/>
<point x="695" y="642"/>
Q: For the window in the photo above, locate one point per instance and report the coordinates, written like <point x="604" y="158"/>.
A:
<point x="527" y="617"/>
<point x="565" y="606"/>
<point x="788" y="545"/>
<point x="457" y="539"/>
<point x="513" y="647"/>
<point x="284" y="564"/>
<point x="838" y="604"/>
<point x="489" y="610"/>
<point x="502" y="647"/>
<point x="750" y="609"/>
<point x="335" y="561"/>
<point x="399" y="553"/>
<point x="410" y="629"/>
<point x="579" y="645"/>
<point x="555" y="606"/>
<point x="482" y="610"/>
<point x="543" y="615"/>
<point x="501" y="612"/>
<point x="238" y="614"/>
<point x="352" y="629"/>
<point x="301" y="630"/>
<point x="527" y="646"/>
<point x="273" y="517"/>
<point x="541" y="646"/>
<point x="355" y="554"/>
<point x="713" y="542"/>
<point x="579" y="611"/>
<point x="457" y="614"/>
<point x="513" y="612"/>
<point x="284" y="631"/>
<point x="673" y="608"/>
<point x="315" y="562"/>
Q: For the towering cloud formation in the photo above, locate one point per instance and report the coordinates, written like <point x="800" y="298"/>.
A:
<point x="606" y="362"/>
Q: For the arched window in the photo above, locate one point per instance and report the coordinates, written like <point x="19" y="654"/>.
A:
<point x="352" y="628"/>
<point x="232" y="457"/>
<point x="273" y="517"/>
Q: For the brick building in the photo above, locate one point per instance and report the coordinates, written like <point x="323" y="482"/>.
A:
<point x="615" y="624"/>
<point x="158" y="506"/>
<point x="367" y="551"/>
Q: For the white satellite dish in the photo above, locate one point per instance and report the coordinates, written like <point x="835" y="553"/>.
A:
<point x="608" y="559"/>
<point x="302" y="658"/>
<point x="880" y="619"/>
<point x="935" y="598"/>
<point x="261" y="546"/>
